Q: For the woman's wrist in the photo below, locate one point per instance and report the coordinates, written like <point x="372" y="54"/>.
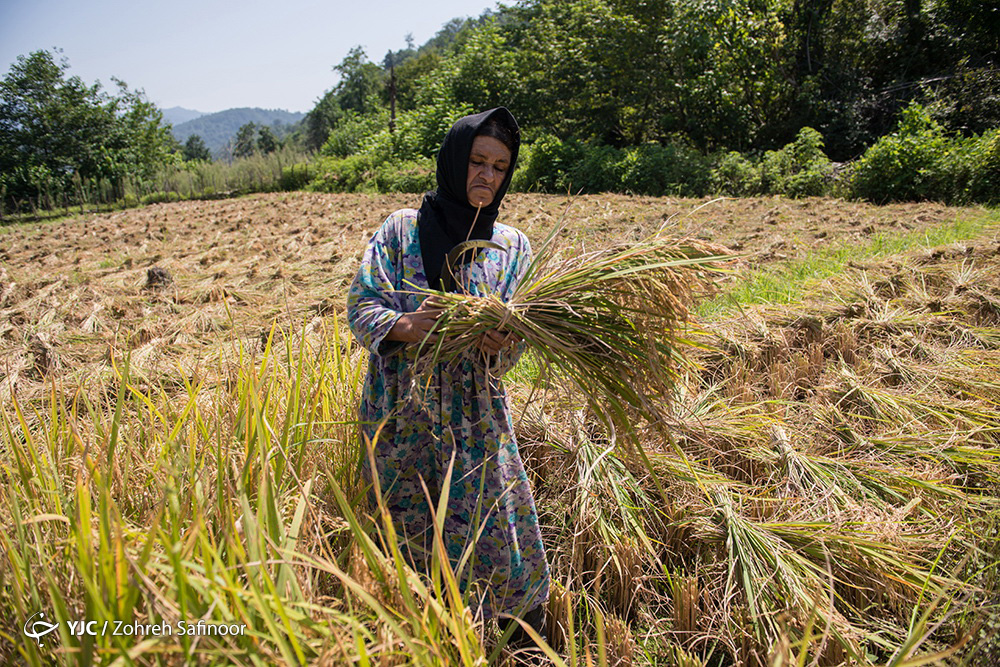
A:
<point x="400" y="330"/>
<point x="414" y="327"/>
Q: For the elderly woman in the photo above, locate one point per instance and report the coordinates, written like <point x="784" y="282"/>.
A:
<point x="462" y="414"/>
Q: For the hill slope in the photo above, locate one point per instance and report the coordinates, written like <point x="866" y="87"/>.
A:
<point x="218" y="128"/>
<point x="178" y="115"/>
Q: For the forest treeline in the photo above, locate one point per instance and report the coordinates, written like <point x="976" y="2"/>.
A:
<point x="876" y="99"/>
<point x="690" y="97"/>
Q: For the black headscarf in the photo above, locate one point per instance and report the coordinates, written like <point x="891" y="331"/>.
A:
<point x="446" y="215"/>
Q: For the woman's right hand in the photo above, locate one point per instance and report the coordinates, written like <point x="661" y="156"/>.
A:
<point x="416" y="326"/>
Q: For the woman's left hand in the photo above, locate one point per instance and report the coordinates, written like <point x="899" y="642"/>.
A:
<point x="494" y="342"/>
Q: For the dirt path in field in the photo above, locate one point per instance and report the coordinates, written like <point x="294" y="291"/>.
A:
<point x="72" y="292"/>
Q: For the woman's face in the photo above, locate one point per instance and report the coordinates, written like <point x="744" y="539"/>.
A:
<point x="489" y="161"/>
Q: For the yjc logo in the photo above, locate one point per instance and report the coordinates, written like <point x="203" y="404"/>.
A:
<point x="38" y="629"/>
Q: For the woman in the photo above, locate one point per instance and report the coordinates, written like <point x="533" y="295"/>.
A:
<point x="418" y="427"/>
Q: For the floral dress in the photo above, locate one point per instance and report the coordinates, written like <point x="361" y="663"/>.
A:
<point x="460" y="411"/>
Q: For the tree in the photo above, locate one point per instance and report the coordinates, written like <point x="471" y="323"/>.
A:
<point x="408" y="75"/>
<point x="245" y="143"/>
<point x="57" y="132"/>
<point x="195" y="149"/>
<point x="569" y="64"/>
<point x="140" y="140"/>
<point x="266" y="141"/>
<point x="321" y="119"/>
<point x="360" y="82"/>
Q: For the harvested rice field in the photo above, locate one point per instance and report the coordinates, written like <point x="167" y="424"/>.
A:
<point x="178" y="390"/>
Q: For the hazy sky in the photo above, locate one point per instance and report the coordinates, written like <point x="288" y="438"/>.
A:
<point x="212" y="55"/>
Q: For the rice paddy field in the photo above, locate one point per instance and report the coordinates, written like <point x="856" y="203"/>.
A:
<point x="178" y="393"/>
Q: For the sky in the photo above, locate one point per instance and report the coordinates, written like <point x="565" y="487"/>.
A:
<point x="210" y="55"/>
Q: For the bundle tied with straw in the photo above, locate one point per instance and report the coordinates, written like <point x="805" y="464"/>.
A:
<point x="608" y="320"/>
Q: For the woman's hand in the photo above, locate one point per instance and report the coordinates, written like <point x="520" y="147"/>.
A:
<point x="416" y="326"/>
<point x="494" y="342"/>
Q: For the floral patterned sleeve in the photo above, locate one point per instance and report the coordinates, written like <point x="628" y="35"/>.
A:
<point x="373" y="306"/>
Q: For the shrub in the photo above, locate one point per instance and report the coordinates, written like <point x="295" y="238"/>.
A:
<point x="920" y="161"/>
<point x="670" y="169"/>
<point x="983" y="158"/>
<point x="362" y="173"/>
<point x="736" y="175"/>
<point x="800" y="169"/>
<point x="422" y="130"/>
<point x="297" y="176"/>
<point x="597" y="168"/>
<point x="345" y="174"/>
<point x="912" y="163"/>
<point x="524" y="157"/>
<point x="553" y="165"/>
<point x="352" y="132"/>
<point x="153" y="198"/>
<point x="410" y="176"/>
<point x="547" y="165"/>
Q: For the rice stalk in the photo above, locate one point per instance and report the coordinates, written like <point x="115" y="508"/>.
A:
<point x="808" y="476"/>
<point x="774" y="578"/>
<point x="127" y="504"/>
<point x="611" y="520"/>
<point x="869" y="402"/>
<point x="609" y="320"/>
<point x="972" y="454"/>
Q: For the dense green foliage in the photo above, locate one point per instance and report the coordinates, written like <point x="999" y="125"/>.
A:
<point x="57" y="134"/>
<point x="885" y="100"/>
<point x="920" y="160"/>
<point x="799" y="169"/>
<point x="361" y="173"/>
<point x="195" y="149"/>
<point x="363" y="86"/>
<point x="687" y="97"/>
<point x="553" y="165"/>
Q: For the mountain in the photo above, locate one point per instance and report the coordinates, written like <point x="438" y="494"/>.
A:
<point x="178" y="115"/>
<point x="218" y="128"/>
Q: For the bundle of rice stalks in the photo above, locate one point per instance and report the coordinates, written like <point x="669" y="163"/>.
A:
<point x="608" y="320"/>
